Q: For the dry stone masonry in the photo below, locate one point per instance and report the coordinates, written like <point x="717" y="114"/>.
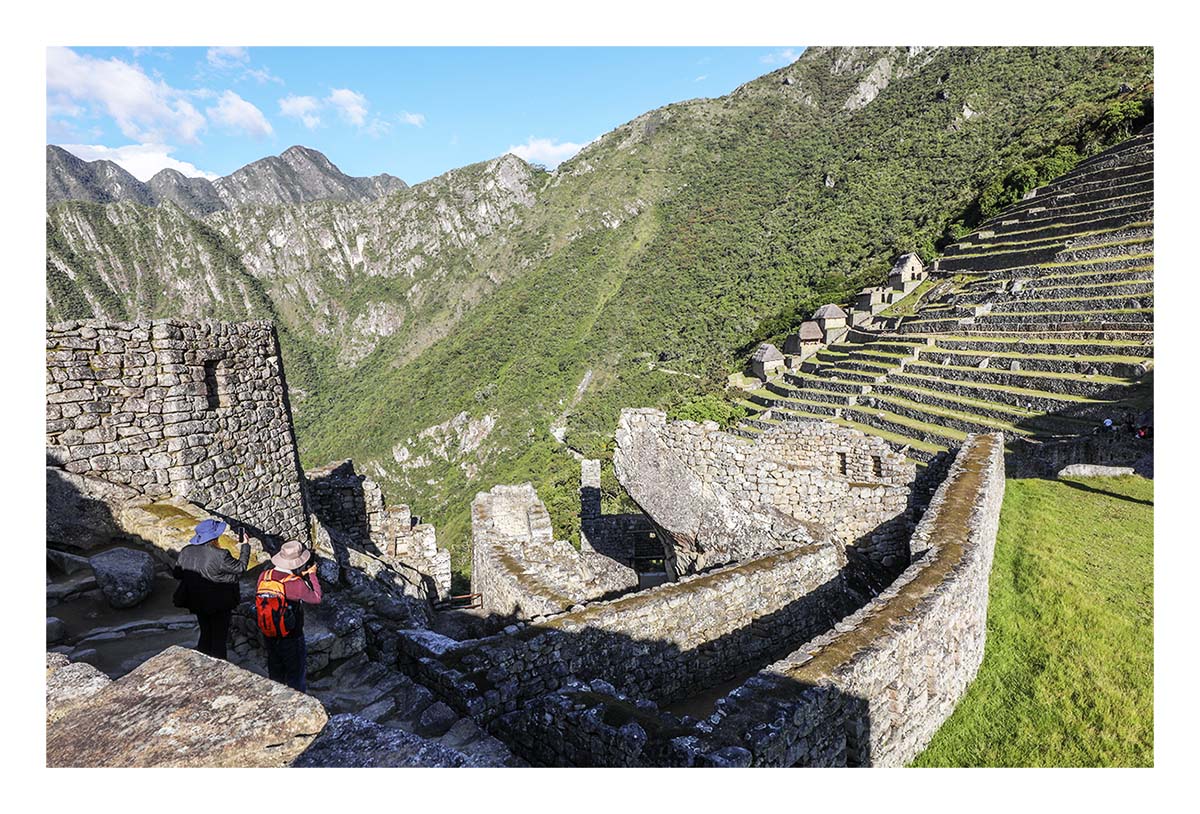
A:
<point x="518" y="567"/>
<point x="169" y="408"/>
<point x="722" y="499"/>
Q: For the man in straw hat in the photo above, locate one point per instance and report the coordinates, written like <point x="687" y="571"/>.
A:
<point x="208" y="583"/>
<point x="283" y="589"/>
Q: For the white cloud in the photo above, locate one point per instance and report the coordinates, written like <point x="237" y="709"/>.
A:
<point x="415" y="119"/>
<point x="139" y="160"/>
<point x="235" y="113"/>
<point x="227" y="57"/>
<point x="701" y="77"/>
<point x="303" y="108"/>
<point x="144" y="109"/>
<point x="550" y="152"/>
<point x="785" y="57"/>
<point x="377" y="127"/>
<point x="351" y="106"/>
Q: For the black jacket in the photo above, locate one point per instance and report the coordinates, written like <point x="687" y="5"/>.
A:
<point x="209" y="577"/>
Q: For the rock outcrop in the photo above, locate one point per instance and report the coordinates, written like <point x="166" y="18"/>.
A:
<point x="70" y="685"/>
<point x="351" y="741"/>
<point x="183" y="708"/>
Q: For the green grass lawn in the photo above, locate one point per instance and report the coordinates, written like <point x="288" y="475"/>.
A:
<point x="1068" y="675"/>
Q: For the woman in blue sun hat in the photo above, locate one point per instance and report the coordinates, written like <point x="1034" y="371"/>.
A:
<point x="208" y="583"/>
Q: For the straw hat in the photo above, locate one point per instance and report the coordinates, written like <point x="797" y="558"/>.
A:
<point x="291" y="556"/>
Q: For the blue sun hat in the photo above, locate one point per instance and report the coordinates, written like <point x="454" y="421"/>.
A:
<point x="207" y="530"/>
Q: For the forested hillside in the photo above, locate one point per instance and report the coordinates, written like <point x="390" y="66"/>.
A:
<point x="438" y="334"/>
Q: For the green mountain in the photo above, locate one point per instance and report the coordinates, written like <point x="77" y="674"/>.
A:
<point x="449" y="334"/>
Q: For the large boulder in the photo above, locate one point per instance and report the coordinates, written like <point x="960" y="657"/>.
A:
<point x="125" y="575"/>
<point x="183" y="708"/>
<point x="353" y="741"/>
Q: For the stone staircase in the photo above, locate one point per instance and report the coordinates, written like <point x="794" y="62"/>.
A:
<point x="1040" y="325"/>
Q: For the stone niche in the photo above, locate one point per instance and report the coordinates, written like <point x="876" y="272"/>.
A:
<point x="721" y="498"/>
<point x="167" y="408"/>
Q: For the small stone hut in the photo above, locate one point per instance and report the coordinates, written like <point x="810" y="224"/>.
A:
<point x="804" y="342"/>
<point x="767" y="361"/>
<point x="832" y="321"/>
<point x="908" y="273"/>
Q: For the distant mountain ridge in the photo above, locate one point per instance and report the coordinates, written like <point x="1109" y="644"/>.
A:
<point x="298" y="175"/>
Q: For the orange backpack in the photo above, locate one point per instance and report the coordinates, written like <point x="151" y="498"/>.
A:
<point x="276" y="616"/>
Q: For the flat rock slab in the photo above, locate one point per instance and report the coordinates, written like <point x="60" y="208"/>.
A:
<point x="183" y="708"/>
<point x="351" y="741"/>
<point x="1094" y="471"/>
<point x="70" y="686"/>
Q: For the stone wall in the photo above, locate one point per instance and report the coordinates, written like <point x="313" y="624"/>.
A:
<point x="662" y="643"/>
<point x="874" y="691"/>
<point x="169" y="408"/>
<point x="353" y="506"/>
<point x="871" y="691"/>
<point x="695" y="481"/>
<point x="521" y="570"/>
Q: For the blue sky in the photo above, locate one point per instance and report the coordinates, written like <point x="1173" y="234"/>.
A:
<point x="411" y="112"/>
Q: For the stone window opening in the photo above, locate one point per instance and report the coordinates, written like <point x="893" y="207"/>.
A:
<point x="214" y="384"/>
<point x="842" y="467"/>
<point x="877" y="466"/>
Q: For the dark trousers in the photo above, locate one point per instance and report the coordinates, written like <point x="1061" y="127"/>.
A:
<point x="286" y="661"/>
<point x="214" y="632"/>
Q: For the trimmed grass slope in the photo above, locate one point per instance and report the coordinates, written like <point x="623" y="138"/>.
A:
<point x="1068" y="675"/>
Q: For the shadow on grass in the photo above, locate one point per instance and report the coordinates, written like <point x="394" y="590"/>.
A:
<point x="1106" y="493"/>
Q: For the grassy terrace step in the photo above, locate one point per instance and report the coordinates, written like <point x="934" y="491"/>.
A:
<point x="1119" y="288"/>
<point x="1009" y="395"/>
<point x="1032" y="252"/>
<point x="1036" y="275"/>
<point x="1143" y="245"/>
<point x="1126" y="184"/>
<point x="841" y="373"/>
<point x="1057" y="229"/>
<point x="765" y="399"/>
<point x="905" y="427"/>
<point x="1023" y="345"/>
<point x="1059" y="212"/>
<point x="976" y="409"/>
<point x="1042" y="320"/>
<point x="808" y="381"/>
<point x="1038" y="219"/>
<point x="943" y="417"/>
<point x="1133" y="162"/>
<point x="1132" y="232"/>
<point x="1092" y="280"/>
<point x="834" y="397"/>
<point x="1116" y="366"/>
<point x="1071" y="384"/>
<point x="1039" y="305"/>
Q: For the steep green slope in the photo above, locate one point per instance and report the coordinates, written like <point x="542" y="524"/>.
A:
<point x="637" y="274"/>
<point x="1068" y="676"/>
